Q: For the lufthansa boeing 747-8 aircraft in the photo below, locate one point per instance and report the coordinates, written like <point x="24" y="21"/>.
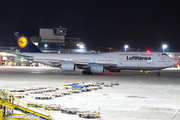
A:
<point x="96" y="63"/>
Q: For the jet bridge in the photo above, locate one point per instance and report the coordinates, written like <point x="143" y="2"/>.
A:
<point x="9" y="102"/>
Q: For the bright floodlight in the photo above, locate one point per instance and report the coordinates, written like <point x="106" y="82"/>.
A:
<point x="126" y="46"/>
<point x="164" y="46"/>
<point x="81" y="46"/>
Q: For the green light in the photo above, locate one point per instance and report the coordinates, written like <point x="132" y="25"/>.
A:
<point x="22" y="58"/>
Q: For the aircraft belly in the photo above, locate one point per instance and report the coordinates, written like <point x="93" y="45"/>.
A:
<point x="139" y="65"/>
<point x="138" y="68"/>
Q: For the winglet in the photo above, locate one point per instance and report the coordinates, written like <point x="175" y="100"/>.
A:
<point x="24" y="43"/>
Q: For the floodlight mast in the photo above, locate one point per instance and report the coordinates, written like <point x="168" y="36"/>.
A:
<point x="164" y="46"/>
<point x="125" y="47"/>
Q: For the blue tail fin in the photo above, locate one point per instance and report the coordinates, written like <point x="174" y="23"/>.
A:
<point x="24" y="43"/>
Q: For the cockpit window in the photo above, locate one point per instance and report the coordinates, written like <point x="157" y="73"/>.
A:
<point x="164" y="54"/>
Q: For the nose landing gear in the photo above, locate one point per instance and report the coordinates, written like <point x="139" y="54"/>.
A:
<point x="158" y="73"/>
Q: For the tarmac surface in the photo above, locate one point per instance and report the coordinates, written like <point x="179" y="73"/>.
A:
<point x="139" y="95"/>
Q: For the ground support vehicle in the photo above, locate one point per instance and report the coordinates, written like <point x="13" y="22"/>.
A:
<point x="64" y="110"/>
<point x="67" y="84"/>
<point x="114" y="83"/>
<point x="89" y="114"/>
<point x="65" y="92"/>
<point x="82" y="88"/>
<point x="51" y="89"/>
<point x="18" y="94"/>
<point x="26" y="93"/>
<point x="73" y="110"/>
<point x="67" y="87"/>
<point x="93" y="88"/>
<point x="87" y="84"/>
<point x="70" y="110"/>
<point x="86" y="89"/>
<point x="36" y="92"/>
<point x="102" y="83"/>
<point x="70" y="83"/>
<point x="44" y="96"/>
<point x="56" y="88"/>
<point x="45" y="90"/>
<point x="74" y="91"/>
<point x="17" y="90"/>
<point x="108" y="85"/>
<point x="57" y="94"/>
<point x="33" y="88"/>
<point x="41" y="87"/>
<point x="96" y="85"/>
<point x="56" y="107"/>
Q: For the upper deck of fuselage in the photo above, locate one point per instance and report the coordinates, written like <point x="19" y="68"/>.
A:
<point x="110" y="54"/>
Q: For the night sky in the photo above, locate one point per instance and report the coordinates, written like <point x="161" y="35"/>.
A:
<point x="145" y="24"/>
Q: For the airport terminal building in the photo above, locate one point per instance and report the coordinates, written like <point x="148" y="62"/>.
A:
<point x="55" y="40"/>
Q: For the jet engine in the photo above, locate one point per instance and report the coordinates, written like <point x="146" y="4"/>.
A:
<point x="68" y="67"/>
<point x="97" y="69"/>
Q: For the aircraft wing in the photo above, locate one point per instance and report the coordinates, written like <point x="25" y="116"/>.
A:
<point x="83" y="65"/>
<point x="94" y="64"/>
<point x="57" y="63"/>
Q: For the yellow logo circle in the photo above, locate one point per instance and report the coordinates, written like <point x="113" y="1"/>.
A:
<point x="22" y="42"/>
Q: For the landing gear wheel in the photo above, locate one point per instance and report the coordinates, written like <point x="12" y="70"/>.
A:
<point x="86" y="72"/>
<point x="83" y="72"/>
<point x="90" y="73"/>
<point x="158" y="73"/>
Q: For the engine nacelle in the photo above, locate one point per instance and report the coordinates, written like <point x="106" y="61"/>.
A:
<point x="68" y="67"/>
<point x="110" y="70"/>
<point x="97" y="69"/>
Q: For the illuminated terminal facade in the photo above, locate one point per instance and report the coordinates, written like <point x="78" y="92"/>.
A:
<point x="55" y="40"/>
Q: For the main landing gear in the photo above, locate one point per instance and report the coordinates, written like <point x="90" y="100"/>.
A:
<point x="158" y="73"/>
<point x="87" y="72"/>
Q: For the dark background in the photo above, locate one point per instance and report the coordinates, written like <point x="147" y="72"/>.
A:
<point x="145" y="24"/>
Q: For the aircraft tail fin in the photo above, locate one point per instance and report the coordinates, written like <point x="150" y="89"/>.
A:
<point x="24" y="43"/>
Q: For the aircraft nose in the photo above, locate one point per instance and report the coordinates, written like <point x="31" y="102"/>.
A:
<point x="175" y="62"/>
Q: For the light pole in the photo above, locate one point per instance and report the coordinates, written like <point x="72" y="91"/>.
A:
<point x="45" y="47"/>
<point x="125" y="47"/>
<point x="164" y="46"/>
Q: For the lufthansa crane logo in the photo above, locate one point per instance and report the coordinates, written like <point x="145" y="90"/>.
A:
<point x="22" y="42"/>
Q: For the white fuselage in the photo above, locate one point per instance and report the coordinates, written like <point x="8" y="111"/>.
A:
<point x="120" y="60"/>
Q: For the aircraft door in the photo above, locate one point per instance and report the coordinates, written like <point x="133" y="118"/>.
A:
<point x="151" y="63"/>
<point x="120" y="61"/>
<point x="93" y="60"/>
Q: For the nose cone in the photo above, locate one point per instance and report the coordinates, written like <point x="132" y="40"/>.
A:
<point x="175" y="62"/>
